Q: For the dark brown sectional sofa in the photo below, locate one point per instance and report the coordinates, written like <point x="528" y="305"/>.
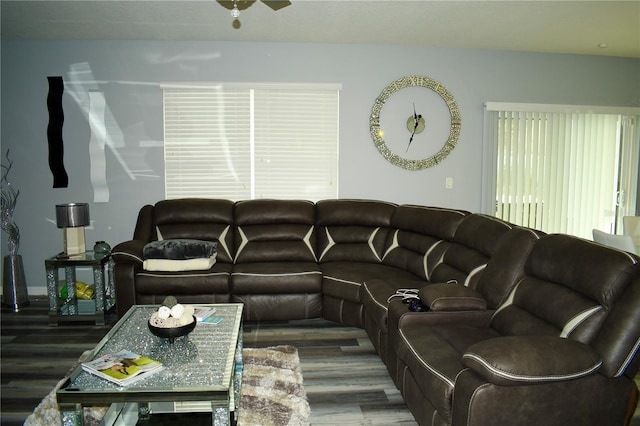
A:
<point x="515" y="327"/>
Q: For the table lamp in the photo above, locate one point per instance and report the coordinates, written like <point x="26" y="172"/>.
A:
<point x="72" y="218"/>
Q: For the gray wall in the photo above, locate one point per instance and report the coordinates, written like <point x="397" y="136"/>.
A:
<point x="129" y="74"/>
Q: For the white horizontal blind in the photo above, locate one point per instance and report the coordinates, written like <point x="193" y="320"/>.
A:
<point x="557" y="172"/>
<point x="251" y="141"/>
<point x="296" y="136"/>
<point x="206" y="143"/>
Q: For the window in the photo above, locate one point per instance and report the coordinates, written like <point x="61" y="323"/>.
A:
<point x="248" y="141"/>
<point x="563" y="170"/>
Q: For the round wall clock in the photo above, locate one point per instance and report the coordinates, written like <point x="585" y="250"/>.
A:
<point x="415" y="122"/>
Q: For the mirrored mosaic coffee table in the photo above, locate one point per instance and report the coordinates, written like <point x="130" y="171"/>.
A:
<point x="202" y="372"/>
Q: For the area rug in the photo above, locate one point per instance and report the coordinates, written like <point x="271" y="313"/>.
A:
<point x="272" y="392"/>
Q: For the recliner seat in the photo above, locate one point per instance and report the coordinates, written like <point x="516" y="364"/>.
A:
<point x="555" y="352"/>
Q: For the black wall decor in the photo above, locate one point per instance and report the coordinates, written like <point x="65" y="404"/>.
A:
<point x="54" y="132"/>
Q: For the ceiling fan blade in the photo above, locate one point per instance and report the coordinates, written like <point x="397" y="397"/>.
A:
<point x="242" y="4"/>
<point x="276" y="4"/>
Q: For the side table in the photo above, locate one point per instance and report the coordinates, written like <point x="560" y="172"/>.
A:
<point x="66" y="307"/>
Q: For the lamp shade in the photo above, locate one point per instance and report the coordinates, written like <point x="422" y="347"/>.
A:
<point x="72" y="215"/>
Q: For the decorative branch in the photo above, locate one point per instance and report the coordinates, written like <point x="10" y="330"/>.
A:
<point x="9" y="200"/>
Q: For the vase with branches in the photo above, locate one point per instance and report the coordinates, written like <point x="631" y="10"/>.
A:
<point x="9" y="201"/>
<point x="14" y="286"/>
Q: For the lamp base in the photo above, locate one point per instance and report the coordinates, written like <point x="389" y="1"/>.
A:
<point x="14" y="285"/>
<point x="74" y="240"/>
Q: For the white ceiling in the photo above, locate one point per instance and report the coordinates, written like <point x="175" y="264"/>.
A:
<point x="537" y="26"/>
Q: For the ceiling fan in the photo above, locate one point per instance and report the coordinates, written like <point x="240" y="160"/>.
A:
<point x="244" y="4"/>
<point x="235" y="6"/>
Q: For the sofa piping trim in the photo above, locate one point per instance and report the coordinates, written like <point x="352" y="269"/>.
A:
<point x="507" y="302"/>
<point x="243" y="242"/>
<point x="307" y="242"/>
<point x="222" y="240"/>
<point x="578" y="319"/>
<point x="330" y="243"/>
<point x="628" y="359"/>
<point x="422" y="361"/>
<point x="384" y="307"/>
<point x="288" y="274"/>
<point x="532" y="379"/>
<point x="473" y="396"/>
<point x="473" y="273"/>
<point x="121" y="253"/>
<point x="427" y="272"/>
<point x="370" y="242"/>
<point x="340" y="280"/>
<point x="394" y="244"/>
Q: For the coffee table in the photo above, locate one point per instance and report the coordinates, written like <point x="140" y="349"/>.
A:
<point x="202" y="371"/>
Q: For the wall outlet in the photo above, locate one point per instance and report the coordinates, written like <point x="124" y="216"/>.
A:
<point x="448" y="183"/>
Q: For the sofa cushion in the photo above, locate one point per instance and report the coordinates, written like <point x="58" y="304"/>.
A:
<point x="475" y="241"/>
<point x="344" y="279"/>
<point x="433" y="355"/>
<point x="212" y="281"/>
<point x="419" y="237"/>
<point x="276" y="278"/>
<point x="352" y="230"/>
<point x="274" y="231"/>
<point x="506" y="266"/>
<point x="568" y="298"/>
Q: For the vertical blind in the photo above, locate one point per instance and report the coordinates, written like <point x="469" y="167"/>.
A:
<point x="251" y="141"/>
<point x="558" y="172"/>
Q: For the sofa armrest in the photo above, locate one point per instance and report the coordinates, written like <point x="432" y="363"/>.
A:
<point x="517" y="360"/>
<point x="129" y="252"/>
<point x="128" y="260"/>
<point x="451" y="297"/>
<point x="405" y="318"/>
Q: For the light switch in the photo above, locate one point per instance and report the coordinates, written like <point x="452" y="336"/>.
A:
<point x="448" y="183"/>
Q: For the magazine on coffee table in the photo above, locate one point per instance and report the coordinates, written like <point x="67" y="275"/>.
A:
<point x="123" y="367"/>
<point x="203" y="312"/>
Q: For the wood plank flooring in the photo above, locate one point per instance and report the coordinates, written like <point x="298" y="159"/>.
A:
<point x="346" y="382"/>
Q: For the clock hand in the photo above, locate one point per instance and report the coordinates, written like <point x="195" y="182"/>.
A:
<point x="415" y="126"/>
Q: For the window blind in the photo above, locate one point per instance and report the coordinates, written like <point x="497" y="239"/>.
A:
<point x="559" y="171"/>
<point x="251" y="141"/>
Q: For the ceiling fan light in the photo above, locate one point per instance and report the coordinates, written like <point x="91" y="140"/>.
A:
<point x="235" y="12"/>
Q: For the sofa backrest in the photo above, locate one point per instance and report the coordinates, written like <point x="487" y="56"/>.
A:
<point x="476" y="239"/>
<point x="506" y="267"/>
<point x="196" y="218"/>
<point x="275" y="230"/>
<point x="618" y="340"/>
<point x="420" y="236"/>
<point x="352" y="230"/>
<point x="576" y="289"/>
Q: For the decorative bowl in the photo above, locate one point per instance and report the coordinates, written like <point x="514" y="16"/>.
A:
<point x="173" y="332"/>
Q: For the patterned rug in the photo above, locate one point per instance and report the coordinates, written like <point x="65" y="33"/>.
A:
<point x="272" y="392"/>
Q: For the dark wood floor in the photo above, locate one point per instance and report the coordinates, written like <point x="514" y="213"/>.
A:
<point x="346" y="382"/>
